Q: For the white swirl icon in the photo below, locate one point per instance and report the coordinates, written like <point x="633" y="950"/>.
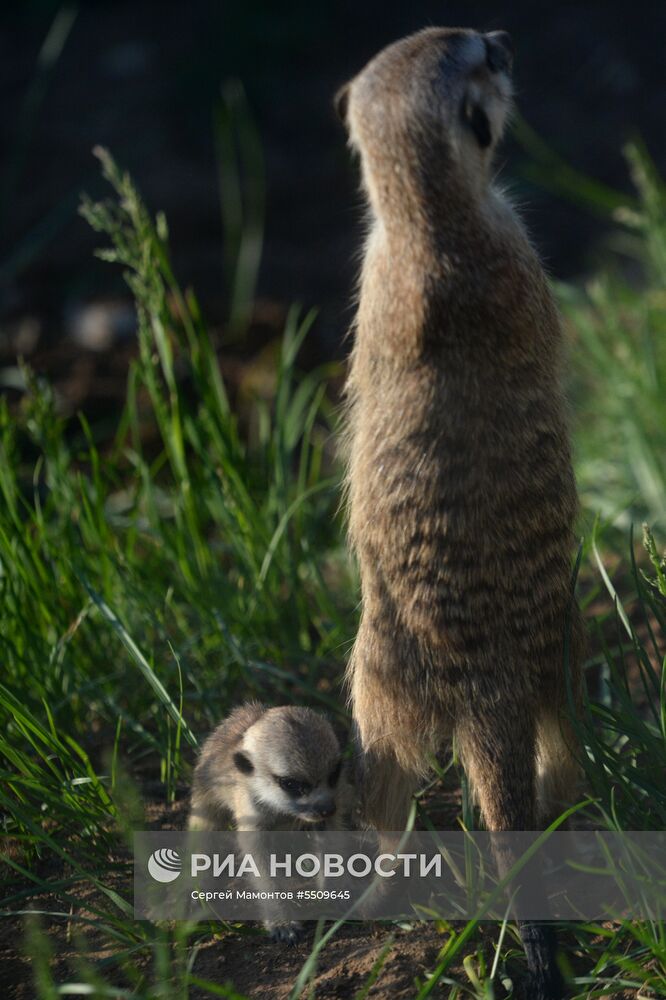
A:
<point x="164" y="865"/>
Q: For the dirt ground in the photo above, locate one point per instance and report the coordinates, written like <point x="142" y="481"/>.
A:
<point x="261" y="970"/>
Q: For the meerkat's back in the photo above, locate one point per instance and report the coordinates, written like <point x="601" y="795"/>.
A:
<point x="461" y="491"/>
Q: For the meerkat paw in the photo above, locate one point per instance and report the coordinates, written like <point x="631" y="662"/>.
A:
<point x="289" y="933"/>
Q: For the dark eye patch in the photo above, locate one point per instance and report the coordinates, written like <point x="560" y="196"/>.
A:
<point x="292" y="786"/>
<point x="477" y="120"/>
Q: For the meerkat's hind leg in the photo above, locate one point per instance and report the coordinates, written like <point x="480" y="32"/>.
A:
<point x="559" y="771"/>
<point x="386" y="791"/>
<point x="559" y="750"/>
<point x="389" y="750"/>
<point x="384" y="785"/>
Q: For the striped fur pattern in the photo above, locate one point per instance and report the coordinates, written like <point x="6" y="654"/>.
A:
<point x="461" y="493"/>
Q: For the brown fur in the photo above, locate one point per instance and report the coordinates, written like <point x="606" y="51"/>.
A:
<point x="215" y="777"/>
<point x="236" y="780"/>
<point x="461" y="492"/>
<point x="286" y="741"/>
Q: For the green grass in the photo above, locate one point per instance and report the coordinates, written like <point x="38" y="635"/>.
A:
<point x="618" y="322"/>
<point x="150" y="582"/>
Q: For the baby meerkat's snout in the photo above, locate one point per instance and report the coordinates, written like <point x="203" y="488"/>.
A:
<point x="315" y="812"/>
<point x="324" y="807"/>
<point x="499" y="51"/>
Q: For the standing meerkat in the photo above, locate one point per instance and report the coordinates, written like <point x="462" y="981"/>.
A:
<point x="461" y="492"/>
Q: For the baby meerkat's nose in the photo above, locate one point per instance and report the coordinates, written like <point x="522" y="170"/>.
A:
<point x="499" y="51"/>
<point x="326" y="810"/>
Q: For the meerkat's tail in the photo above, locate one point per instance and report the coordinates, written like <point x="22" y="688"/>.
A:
<point x="544" y="981"/>
<point x="497" y="749"/>
<point x="498" y="752"/>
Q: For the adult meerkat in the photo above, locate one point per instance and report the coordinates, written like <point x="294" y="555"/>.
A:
<point x="462" y="497"/>
<point x="269" y="769"/>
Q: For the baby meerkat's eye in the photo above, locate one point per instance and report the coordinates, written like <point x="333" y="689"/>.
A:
<point x="292" y="786"/>
<point x="335" y="774"/>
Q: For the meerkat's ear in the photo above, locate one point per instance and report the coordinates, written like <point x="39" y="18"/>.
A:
<point x="341" y="103"/>
<point x="477" y="121"/>
<point x="243" y="763"/>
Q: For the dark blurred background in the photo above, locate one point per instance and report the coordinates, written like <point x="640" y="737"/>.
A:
<point x="145" y="79"/>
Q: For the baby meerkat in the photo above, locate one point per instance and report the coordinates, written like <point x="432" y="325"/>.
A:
<point x="270" y="769"/>
<point x="461" y="492"/>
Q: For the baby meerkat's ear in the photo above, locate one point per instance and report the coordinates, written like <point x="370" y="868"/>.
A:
<point x="341" y="103"/>
<point x="243" y="763"/>
<point x="476" y="119"/>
